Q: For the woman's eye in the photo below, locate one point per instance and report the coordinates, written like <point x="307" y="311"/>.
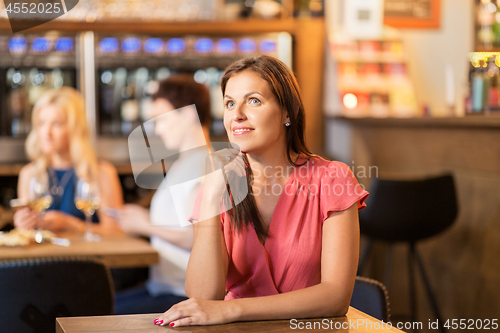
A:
<point x="254" y="101"/>
<point x="229" y="104"/>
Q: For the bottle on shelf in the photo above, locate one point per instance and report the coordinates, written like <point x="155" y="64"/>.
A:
<point x="486" y="20"/>
<point x="129" y="110"/>
<point x="484" y="87"/>
<point x="17" y="101"/>
<point x="484" y="94"/>
<point x="477" y="89"/>
<point x="496" y="26"/>
<point x="493" y="91"/>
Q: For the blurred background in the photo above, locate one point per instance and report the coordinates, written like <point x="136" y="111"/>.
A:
<point x="397" y="89"/>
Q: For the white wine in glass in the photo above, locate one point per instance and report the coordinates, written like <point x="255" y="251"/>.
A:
<point x="39" y="200"/>
<point x="40" y="205"/>
<point x="87" y="200"/>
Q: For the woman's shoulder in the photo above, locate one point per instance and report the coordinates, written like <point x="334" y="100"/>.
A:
<point x="106" y="168"/>
<point x="105" y="165"/>
<point x="317" y="167"/>
<point x="27" y="170"/>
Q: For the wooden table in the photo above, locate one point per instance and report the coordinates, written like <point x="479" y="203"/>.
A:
<point x="359" y="321"/>
<point x="114" y="251"/>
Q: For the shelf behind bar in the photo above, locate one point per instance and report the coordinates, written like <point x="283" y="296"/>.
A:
<point x="123" y="168"/>
<point x="474" y="121"/>
<point x="243" y="26"/>
<point x="486" y="49"/>
<point x="308" y="50"/>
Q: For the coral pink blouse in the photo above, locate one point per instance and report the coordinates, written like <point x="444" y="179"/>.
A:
<point x="290" y="259"/>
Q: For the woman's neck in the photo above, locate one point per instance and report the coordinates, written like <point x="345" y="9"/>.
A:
<point x="271" y="166"/>
<point x="194" y="139"/>
<point x="61" y="161"/>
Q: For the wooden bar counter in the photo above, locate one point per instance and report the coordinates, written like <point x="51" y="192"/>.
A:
<point x="462" y="262"/>
<point x="354" y="321"/>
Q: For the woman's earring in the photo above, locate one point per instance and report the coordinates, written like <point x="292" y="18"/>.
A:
<point x="287" y="124"/>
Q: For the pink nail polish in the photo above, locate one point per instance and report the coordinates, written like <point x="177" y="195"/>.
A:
<point x="156" y="320"/>
<point x="160" y="322"/>
<point x="172" y="324"/>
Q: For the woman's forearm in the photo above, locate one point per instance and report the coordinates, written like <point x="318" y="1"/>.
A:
<point x="207" y="268"/>
<point x="106" y="226"/>
<point x="106" y="229"/>
<point x="322" y="300"/>
<point x="180" y="237"/>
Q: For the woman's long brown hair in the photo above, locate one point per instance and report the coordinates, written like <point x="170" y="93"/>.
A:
<point x="284" y="86"/>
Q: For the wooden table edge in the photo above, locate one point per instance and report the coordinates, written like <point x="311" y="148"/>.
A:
<point x="144" y="257"/>
<point x="352" y="312"/>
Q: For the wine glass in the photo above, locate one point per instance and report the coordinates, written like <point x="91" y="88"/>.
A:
<point x="87" y="200"/>
<point x="39" y="200"/>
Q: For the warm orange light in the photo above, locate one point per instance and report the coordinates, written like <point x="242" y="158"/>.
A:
<point x="350" y="101"/>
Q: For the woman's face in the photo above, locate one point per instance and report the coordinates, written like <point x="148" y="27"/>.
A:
<point x="52" y="130"/>
<point x="169" y="127"/>
<point x="252" y="116"/>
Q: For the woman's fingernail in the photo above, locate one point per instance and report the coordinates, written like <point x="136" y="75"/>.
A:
<point x="172" y="324"/>
<point x="160" y="322"/>
<point x="156" y="320"/>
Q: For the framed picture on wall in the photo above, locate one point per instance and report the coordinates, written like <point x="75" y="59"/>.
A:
<point x="423" y="14"/>
<point x="363" y="18"/>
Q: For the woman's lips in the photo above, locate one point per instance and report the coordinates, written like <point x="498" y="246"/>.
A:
<point x="241" y="130"/>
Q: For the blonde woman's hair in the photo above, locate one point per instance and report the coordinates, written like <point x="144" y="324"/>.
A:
<point x="71" y="103"/>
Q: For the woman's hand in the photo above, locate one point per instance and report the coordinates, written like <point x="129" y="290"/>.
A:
<point x="197" y="312"/>
<point x="134" y="219"/>
<point x="229" y="160"/>
<point x="25" y="218"/>
<point x="57" y="221"/>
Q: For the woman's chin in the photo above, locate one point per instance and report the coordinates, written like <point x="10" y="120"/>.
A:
<point x="48" y="150"/>
<point x="170" y="145"/>
<point x="51" y="150"/>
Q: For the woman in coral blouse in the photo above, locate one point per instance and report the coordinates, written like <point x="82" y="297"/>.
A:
<point x="290" y="248"/>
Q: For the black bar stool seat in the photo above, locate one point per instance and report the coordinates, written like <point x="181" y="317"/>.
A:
<point x="408" y="211"/>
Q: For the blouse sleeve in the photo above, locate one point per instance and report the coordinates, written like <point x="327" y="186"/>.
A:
<point x="340" y="189"/>
<point x="194" y="217"/>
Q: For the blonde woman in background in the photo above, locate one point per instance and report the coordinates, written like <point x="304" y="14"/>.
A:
<point x="59" y="147"/>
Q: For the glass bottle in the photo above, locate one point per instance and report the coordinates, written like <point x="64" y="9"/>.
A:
<point x="496" y="26"/>
<point x="493" y="74"/>
<point x="486" y="19"/>
<point x="478" y="83"/>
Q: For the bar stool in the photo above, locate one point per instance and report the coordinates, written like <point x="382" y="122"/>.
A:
<point x="34" y="292"/>
<point x="408" y="211"/>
